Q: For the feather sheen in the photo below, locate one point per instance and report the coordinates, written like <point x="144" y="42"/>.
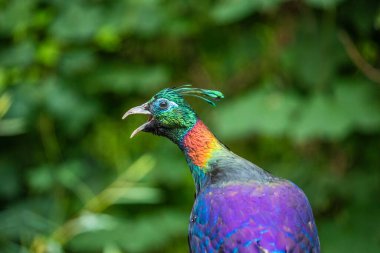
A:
<point x="207" y="95"/>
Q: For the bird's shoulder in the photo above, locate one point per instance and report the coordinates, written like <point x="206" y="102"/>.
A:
<point x="229" y="167"/>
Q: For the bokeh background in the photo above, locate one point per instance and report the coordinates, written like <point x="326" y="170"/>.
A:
<point x="302" y="87"/>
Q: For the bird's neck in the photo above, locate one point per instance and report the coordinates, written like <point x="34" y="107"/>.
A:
<point x="200" y="145"/>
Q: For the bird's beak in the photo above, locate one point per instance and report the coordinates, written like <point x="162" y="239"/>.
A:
<point x="141" y="109"/>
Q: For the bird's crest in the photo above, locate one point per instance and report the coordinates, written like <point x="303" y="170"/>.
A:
<point x="210" y="96"/>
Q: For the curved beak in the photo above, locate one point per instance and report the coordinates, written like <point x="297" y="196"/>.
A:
<point x="141" y="109"/>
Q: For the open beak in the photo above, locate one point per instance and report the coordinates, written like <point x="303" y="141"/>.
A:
<point x="141" y="109"/>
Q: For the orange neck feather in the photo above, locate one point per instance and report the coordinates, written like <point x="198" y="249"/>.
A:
<point x="200" y="144"/>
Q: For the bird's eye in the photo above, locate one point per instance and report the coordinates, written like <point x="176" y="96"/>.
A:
<point x="163" y="104"/>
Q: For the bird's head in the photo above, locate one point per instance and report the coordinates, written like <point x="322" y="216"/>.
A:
<point x="169" y="113"/>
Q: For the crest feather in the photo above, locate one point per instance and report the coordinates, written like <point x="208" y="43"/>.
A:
<point x="210" y="96"/>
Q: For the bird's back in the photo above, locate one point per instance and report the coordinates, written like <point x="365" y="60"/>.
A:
<point x="254" y="217"/>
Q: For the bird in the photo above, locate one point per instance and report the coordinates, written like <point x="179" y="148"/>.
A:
<point x="238" y="206"/>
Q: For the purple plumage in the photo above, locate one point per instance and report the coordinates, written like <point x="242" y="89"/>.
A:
<point x="253" y="217"/>
<point x="239" y="207"/>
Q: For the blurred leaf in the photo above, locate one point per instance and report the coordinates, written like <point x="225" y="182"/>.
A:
<point x="261" y="111"/>
<point x="377" y="21"/>
<point x="112" y="248"/>
<point x="333" y="117"/>
<point x="237" y="57"/>
<point x="67" y="106"/>
<point x="365" y="232"/>
<point x="306" y="57"/>
<point x="42" y="244"/>
<point x="145" y="16"/>
<point x="135" y="236"/>
<point x="170" y="170"/>
<point x="70" y="174"/>
<point x="108" y="38"/>
<point x="321" y="117"/>
<point x="324" y="3"/>
<point x="77" y="61"/>
<point x="48" y="53"/>
<point x="234" y="10"/>
<point x="358" y="97"/>
<point x="125" y="182"/>
<point x="41" y="179"/>
<point x="19" y="55"/>
<point x="5" y="103"/>
<point x="77" y="22"/>
<point x="137" y="194"/>
<point x="10" y="184"/>
<point x="89" y="222"/>
<point x="122" y="79"/>
<point x="27" y="219"/>
<point x="9" y="127"/>
<point x="16" y="15"/>
<point x="3" y="79"/>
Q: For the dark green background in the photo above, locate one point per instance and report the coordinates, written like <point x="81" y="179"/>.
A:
<point x="302" y="101"/>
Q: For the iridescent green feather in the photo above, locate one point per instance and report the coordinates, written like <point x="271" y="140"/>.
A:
<point x="207" y="95"/>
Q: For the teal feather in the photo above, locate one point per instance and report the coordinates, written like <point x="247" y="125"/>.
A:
<point x="207" y="95"/>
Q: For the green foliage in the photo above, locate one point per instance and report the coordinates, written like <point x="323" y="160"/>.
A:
<point x="230" y="10"/>
<point x="299" y="101"/>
